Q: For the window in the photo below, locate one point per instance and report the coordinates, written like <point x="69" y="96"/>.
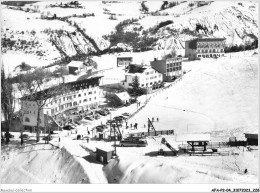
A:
<point x="74" y="103"/>
<point x="59" y="100"/>
<point x="89" y="92"/>
<point x="151" y="83"/>
<point x="79" y="101"/>
<point x="74" y="96"/>
<point x="63" y="98"/>
<point x="95" y="98"/>
<point x="26" y="119"/>
<point x="94" y="92"/>
<point x="89" y="99"/>
<point x="142" y="85"/>
<point x="79" y="95"/>
<point x="85" y="94"/>
<point x="85" y="100"/>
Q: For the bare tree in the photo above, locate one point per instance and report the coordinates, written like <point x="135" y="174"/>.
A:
<point x="31" y="87"/>
<point x="7" y="102"/>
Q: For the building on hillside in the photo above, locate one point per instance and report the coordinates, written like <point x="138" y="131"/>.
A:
<point x="124" y="61"/>
<point x="170" y="68"/>
<point x="251" y="138"/>
<point x="204" y="48"/>
<point x="82" y="95"/>
<point x="76" y="66"/>
<point x="148" y="77"/>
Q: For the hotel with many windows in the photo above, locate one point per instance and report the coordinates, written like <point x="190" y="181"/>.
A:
<point x="204" y="48"/>
<point x="81" y="95"/>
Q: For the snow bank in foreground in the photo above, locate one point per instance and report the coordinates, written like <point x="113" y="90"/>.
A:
<point x="173" y="171"/>
<point x="44" y="164"/>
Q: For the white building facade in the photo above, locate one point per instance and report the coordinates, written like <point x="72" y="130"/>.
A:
<point x="82" y="95"/>
<point x="205" y="48"/>
<point x="147" y="76"/>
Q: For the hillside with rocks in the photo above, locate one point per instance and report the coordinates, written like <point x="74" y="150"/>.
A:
<point x="105" y="27"/>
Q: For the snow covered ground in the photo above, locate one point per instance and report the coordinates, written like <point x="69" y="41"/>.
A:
<point x="214" y="94"/>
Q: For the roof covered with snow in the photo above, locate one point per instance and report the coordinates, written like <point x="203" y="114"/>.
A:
<point x="135" y="68"/>
<point x="77" y="64"/>
<point x="193" y="137"/>
<point x="123" y="95"/>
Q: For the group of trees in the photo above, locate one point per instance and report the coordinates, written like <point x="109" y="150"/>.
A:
<point x="167" y="4"/>
<point x="238" y="48"/>
<point x="139" y="42"/>
<point x="144" y="8"/>
<point x="7" y="102"/>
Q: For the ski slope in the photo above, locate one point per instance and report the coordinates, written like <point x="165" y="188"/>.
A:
<point x="214" y="94"/>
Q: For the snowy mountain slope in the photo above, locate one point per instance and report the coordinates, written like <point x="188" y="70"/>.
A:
<point x="236" y="21"/>
<point x="231" y="19"/>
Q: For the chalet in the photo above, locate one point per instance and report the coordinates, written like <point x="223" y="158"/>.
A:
<point x="147" y="76"/>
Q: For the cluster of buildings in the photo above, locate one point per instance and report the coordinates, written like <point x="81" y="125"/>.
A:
<point x="86" y="94"/>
